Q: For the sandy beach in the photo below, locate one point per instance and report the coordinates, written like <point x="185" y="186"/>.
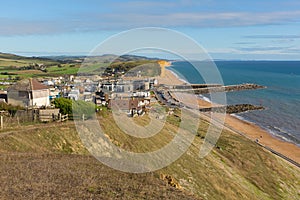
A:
<point x="252" y="131"/>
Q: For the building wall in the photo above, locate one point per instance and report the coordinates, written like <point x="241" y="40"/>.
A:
<point x="17" y="99"/>
<point x="41" y="98"/>
<point x="36" y="98"/>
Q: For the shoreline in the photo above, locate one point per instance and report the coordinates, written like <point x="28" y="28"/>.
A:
<point x="249" y="129"/>
<point x="277" y="136"/>
<point x="177" y="77"/>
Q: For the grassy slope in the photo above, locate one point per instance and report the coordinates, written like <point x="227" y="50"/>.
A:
<point x="7" y="60"/>
<point x="238" y="169"/>
<point x="10" y="63"/>
<point x="49" y="162"/>
<point x="56" y="176"/>
<point x="65" y="69"/>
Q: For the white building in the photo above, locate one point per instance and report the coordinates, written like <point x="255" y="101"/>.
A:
<point x="74" y="94"/>
<point x="29" y="93"/>
<point x="48" y="82"/>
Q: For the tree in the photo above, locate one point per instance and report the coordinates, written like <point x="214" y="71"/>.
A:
<point x="76" y="108"/>
<point x="64" y="105"/>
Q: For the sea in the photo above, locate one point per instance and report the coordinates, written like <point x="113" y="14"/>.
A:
<point x="281" y="98"/>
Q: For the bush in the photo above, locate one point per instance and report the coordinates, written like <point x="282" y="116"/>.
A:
<point x="64" y="105"/>
<point x="10" y="108"/>
<point x="75" y="108"/>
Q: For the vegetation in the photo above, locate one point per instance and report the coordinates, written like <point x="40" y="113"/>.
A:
<point x="14" y="66"/>
<point x="10" y="108"/>
<point x="64" y="105"/>
<point x="132" y="68"/>
<point x="75" y="108"/>
<point x="49" y="161"/>
<point x="63" y="69"/>
<point x="237" y="168"/>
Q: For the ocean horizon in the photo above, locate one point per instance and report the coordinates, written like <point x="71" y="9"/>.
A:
<point x="281" y="98"/>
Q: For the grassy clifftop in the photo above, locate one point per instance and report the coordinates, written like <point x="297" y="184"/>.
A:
<point x="236" y="169"/>
<point x="48" y="161"/>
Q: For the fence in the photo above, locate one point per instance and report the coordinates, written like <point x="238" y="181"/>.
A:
<point x="37" y="115"/>
<point x="30" y="116"/>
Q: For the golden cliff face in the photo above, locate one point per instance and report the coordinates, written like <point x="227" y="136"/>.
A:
<point x="163" y="64"/>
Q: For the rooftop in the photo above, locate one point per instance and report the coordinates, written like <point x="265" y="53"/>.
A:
<point x="28" y="85"/>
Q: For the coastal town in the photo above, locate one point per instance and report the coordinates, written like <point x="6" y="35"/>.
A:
<point x="133" y="94"/>
<point x="44" y="99"/>
<point x="156" y="100"/>
<point x="42" y="107"/>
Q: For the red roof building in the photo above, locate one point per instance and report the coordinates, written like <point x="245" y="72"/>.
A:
<point x="29" y="93"/>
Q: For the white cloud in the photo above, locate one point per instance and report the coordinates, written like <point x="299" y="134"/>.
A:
<point x="287" y="37"/>
<point x="117" y="21"/>
<point x="258" y="50"/>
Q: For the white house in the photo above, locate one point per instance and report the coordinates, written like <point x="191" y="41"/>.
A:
<point x="29" y="93"/>
<point x="74" y="94"/>
<point x="48" y="82"/>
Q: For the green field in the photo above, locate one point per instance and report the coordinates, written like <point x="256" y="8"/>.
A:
<point x="18" y="67"/>
<point x="65" y="69"/>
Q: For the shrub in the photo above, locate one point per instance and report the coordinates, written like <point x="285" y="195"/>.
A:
<point x="10" y="108"/>
<point x="64" y="105"/>
<point x="75" y="108"/>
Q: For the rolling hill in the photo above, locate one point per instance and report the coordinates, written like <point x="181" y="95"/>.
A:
<point x="18" y="67"/>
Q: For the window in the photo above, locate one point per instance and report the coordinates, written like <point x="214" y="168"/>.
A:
<point x="23" y="94"/>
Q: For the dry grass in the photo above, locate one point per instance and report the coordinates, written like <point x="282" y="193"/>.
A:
<point x="47" y="163"/>
<point x="57" y="176"/>
<point x="142" y="120"/>
<point x="237" y="168"/>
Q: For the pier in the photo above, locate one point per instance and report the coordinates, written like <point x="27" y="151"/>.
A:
<point x="164" y="94"/>
<point x="231" y="109"/>
<point x="210" y="88"/>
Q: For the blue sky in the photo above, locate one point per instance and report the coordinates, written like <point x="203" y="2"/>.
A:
<point x="230" y="29"/>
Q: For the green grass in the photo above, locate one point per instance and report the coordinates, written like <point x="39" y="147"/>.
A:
<point x="44" y="139"/>
<point x="66" y="69"/>
<point x="11" y="64"/>
<point x="93" y="68"/>
<point x="7" y="62"/>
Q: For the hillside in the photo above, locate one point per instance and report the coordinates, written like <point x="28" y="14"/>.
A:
<point x="49" y="161"/>
<point x="10" y="60"/>
<point x="15" y="67"/>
